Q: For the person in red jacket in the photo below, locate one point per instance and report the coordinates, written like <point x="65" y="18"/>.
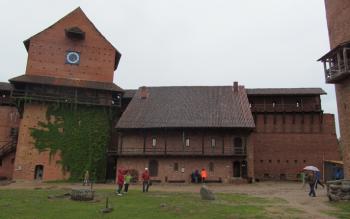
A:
<point x="120" y="181"/>
<point x="203" y="175"/>
<point x="145" y="180"/>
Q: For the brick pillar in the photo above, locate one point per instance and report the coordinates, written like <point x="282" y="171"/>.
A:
<point x="27" y="156"/>
<point x="250" y="156"/>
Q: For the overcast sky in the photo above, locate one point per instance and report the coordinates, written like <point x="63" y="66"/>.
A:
<point x="260" y="44"/>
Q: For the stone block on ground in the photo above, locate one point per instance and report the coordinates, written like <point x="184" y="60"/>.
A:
<point x="206" y="194"/>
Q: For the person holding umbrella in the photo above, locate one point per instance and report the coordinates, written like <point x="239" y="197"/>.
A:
<point x="311" y="179"/>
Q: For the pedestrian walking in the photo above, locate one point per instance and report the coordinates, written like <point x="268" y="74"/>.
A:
<point x="120" y="182"/>
<point x="145" y="180"/>
<point x="127" y="180"/>
<point x="311" y="179"/>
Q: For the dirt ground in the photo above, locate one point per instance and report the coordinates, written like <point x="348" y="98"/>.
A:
<point x="294" y="193"/>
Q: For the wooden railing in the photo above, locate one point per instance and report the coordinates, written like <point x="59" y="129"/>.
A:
<point x="337" y="72"/>
<point x="64" y="98"/>
<point x="285" y="107"/>
<point x="220" y="151"/>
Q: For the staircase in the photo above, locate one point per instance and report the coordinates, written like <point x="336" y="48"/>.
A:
<point x="7" y="148"/>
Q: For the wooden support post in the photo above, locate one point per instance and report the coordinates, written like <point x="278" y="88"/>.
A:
<point x="121" y="143"/>
<point x="325" y="70"/>
<point x="203" y="143"/>
<point x="144" y="142"/>
<point x="165" y="141"/>
<point x="338" y="59"/>
<point x="345" y="59"/>
<point x="223" y="143"/>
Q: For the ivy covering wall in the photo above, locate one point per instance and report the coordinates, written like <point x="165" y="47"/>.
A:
<point x="81" y="136"/>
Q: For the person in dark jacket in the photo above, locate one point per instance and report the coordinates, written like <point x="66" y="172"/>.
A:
<point x="318" y="179"/>
<point x="145" y="180"/>
<point x="311" y="179"/>
<point x="120" y="181"/>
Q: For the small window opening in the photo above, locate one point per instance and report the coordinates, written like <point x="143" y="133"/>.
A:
<point x="176" y="167"/>
<point x="187" y="142"/>
<point x="213" y="143"/>
<point x="211" y="167"/>
<point x="154" y="142"/>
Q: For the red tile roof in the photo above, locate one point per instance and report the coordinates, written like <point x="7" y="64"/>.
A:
<point x="33" y="79"/>
<point x="176" y="107"/>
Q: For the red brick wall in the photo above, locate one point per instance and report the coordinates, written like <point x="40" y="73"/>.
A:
<point x="285" y="148"/>
<point x="46" y="55"/>
<point x="338" y="19"/>
<point x="27" y="156"/>
<point x="222" y="167"/>
<point x="9" y="118"/>
<point x="6" y="168"/>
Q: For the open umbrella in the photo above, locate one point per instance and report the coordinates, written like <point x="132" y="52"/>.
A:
<point x="311" y="168"/>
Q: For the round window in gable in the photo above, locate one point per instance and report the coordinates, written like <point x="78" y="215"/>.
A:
<point x="72" y="57"/>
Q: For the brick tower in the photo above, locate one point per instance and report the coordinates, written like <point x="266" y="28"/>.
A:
<point x="337" y="68"/>
<point x="70" y="62"/>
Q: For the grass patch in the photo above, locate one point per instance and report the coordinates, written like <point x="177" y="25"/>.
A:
<point x="343" y="209"/>
<point x="28" y="204"/>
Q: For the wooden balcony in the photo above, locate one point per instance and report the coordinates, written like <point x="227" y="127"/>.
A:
<point x="255" y="108"/>
<point x="222" y="151"/>
<point x="336" y="63"/>
<point x="29" y="96"/>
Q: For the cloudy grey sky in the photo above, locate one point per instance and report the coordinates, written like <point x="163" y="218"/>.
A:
<point x="270" y="43"/>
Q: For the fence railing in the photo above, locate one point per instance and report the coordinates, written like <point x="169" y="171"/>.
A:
<point x="280" y="107"/>
<point x="217" y="151"/>
<point x="65" y="98"/>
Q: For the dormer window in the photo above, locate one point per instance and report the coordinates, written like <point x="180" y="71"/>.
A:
<point x="75" y="33"/>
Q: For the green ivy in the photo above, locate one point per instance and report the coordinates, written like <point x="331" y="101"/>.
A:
<point x="81" y="135"/>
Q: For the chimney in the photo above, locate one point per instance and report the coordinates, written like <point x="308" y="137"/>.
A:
<point x="143" y="92"/>
<point x="235" y="87"/>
